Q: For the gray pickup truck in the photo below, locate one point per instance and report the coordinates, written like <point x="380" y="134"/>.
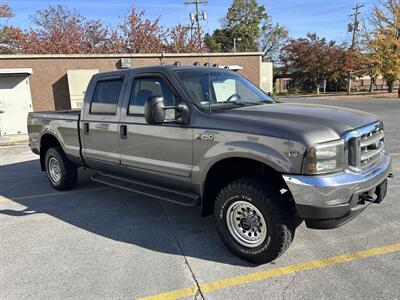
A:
<point x="205" y="136"/>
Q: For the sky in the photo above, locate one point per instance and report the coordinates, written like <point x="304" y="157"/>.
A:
<point x="327" y="18"/>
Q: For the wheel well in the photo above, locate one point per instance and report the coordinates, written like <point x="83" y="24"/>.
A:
<point x="46" y="142"/>
<point x="231" y="169"/>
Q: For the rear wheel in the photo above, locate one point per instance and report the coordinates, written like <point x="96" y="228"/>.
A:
<point x="253" y="220"/>
<point x="62" y="174"/>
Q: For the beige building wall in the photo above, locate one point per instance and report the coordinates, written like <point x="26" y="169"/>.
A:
<point x="49" y="81"/>
<point x="266" y="76"/>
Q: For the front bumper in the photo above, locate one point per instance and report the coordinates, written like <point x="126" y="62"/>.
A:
<point x="329" y="201"/>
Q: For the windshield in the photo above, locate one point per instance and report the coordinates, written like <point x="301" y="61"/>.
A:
<point x="219" y="89"/>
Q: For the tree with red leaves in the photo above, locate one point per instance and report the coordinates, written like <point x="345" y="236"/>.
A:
<point x="140" y="35"/>
<point x="60" y="30"/>
<point x="314" y="60"/>
<point x="181" y="39"/>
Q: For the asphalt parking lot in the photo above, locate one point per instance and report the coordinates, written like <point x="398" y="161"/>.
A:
<point x="97" y="242"/>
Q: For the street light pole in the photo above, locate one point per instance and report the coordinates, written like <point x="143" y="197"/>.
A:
<point x="234" y="43"/>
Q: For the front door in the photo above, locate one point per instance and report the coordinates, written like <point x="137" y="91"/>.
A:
<point x="159" y="154"/>
<point x="15" y="104"/>
<point x="100" y="124"/>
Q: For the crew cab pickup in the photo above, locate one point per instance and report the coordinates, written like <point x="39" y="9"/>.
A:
<point x="206" y="136"/>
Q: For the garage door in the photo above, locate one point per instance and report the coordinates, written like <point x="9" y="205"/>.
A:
<point x="15" y="103"/>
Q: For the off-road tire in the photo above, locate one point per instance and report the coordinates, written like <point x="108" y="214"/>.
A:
<point x="275" y="211"/>
<point x="68" y="173"/>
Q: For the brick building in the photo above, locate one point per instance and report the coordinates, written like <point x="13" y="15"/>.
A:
<point x="53" y="82"/>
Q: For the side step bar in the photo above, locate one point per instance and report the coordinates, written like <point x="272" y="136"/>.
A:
<point x="181" y="198"/>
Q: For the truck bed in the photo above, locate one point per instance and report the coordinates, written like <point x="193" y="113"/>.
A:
<point x="62" y="125"/>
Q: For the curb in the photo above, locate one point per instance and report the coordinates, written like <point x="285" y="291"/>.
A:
<point x="11" y="140"/>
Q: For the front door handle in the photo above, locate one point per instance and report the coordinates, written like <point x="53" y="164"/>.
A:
<point x="123" y="132"/>
<point x="86" y="128"/>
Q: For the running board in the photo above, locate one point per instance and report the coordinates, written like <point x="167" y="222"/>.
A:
<point x="181" y="198"/>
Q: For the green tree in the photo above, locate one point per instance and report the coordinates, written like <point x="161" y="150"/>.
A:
<point x="244" y="21"/>
<point x="6" y="32"/>
<point x="219" y="41"/>
<point x="273" y="38"/>
<point x="384" y="40"/>
<point x="6" y="37"/>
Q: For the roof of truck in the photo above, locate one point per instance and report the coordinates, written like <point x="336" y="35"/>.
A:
<point x="158" y="68"/>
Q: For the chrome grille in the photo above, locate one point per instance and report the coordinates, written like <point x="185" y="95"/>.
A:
<point x="364" y="145"/>
<point x="371" y="145"/>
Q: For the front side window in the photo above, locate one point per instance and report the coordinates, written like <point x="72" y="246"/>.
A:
<point x="215" y="89"/>
<point x="105" y="97"/>
<point x="144" y="88"/>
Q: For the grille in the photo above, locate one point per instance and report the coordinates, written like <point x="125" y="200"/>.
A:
<point x="371" y="145"/>
<point x="365" y="145"/>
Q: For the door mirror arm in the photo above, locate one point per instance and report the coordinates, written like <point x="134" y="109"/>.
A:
<point x="183" y="113"/>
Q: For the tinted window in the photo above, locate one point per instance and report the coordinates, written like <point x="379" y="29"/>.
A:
<point x="143" y="88"/>
<point x="105" y="97"/>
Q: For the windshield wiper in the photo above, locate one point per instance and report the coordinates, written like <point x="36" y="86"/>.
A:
<point x="264" y="102"/>
<point x="240" y="103"/>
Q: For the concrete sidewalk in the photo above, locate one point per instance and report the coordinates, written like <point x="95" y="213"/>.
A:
<point x="10" y="140"/>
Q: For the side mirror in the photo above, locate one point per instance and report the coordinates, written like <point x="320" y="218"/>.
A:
<point x="154" y="111"/>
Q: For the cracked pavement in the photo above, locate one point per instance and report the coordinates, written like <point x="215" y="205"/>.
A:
<point x="103" y="243"/>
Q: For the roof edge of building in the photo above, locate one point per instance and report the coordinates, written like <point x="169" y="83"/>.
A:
<point x="127" y="55"/>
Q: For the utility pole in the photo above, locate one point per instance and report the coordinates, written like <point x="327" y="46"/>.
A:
<point x="196" y="16"/>
<point x="354" y="27"/>
<point x="5" y="10"/>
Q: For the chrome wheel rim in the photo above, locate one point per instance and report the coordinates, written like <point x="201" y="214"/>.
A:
<point x="54" y="170"/>
<point x="246" y="224"/>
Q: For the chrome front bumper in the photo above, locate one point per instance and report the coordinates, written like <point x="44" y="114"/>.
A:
<point x="336" y="196"/>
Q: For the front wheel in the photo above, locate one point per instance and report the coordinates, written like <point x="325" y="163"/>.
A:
<point x="62" y="174"/>
<point x="254" y="222"/>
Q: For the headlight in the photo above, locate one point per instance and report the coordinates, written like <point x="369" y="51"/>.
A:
<point x="325" y="158"/>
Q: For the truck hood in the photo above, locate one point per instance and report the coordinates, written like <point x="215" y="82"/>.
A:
<point x="317" y="122"/>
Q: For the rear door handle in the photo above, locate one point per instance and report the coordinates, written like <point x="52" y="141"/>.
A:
<point x="86" y="128"/>
<point x="123" y="132"/>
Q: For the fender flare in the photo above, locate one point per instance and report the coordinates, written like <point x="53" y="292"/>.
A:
<point x="42" y="155"/>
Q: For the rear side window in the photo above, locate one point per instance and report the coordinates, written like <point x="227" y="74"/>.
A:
<point x="105" y="97"/>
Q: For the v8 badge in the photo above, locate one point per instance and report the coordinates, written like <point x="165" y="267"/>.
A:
<point x="293" y="154"/>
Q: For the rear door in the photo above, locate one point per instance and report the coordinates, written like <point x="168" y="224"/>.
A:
<point x="159" y="154"/>
<point x="100" y="123"/>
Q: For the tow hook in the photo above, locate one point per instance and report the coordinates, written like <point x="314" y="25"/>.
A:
<point x="366" y="197"/>
<point x="390" y="175"/>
